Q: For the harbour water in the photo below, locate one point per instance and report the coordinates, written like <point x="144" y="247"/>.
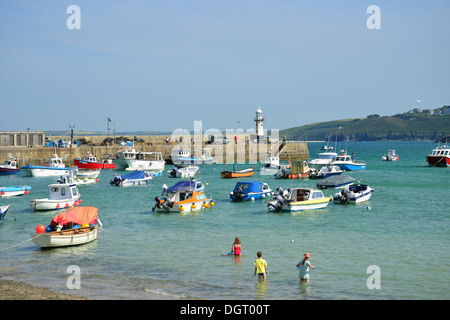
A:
<point x="403" y="230"/>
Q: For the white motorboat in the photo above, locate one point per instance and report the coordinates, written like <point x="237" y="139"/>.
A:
<point x="132" y="160"/>
<point x="322" y="159"/>
<point x="324" y="172"/>
<point x="54" y="167"/>
<point x="183" y="156"/>
<point x="183" y="172"/>
<point x="73" y="227"/>
<point x="298" y="199"/>
<point x="273" y="163"/>
<point x="6" y="192"/>
<point x="390" y="156"/>
<point x="347" y="163"/>
<point x="62" y="195"/>
<point x="355" y="193"/>
<point x="135" y="178"/>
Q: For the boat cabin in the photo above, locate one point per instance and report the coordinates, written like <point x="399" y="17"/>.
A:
<point x="63" y="191"/>
<point x="302" y="194"/>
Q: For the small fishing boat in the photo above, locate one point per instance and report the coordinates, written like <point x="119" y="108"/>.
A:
<point x="135" y="178"/>
<point x="73" y="227"/>
<point x="62" y="195"/>
<point x="273" y="163"/>
<point x="14" y="191"/>
<point x="132" y="160"/>
<point x="355" y="193"/>
<point x="346" y="163"/>
<point x="390" y="156"/>
<point x="73" y="177"/>
<point x="298" y="199"/>
<point x="183" y="172"/>
<point x="54" y="167"/>
<point x="90" y="161"/>
<point x="335" y="182"/>
<point x="10" y="167"/>
<point x="184" y="156"/>
<point x="439" y="157"/>
<point x="250" y="190"/>
<point x="4" y="211"/>
<point x="322" y="159"/>
<point x="183" y="201"/>
<point x="325" y="172"/>
<point x="237" y="174"/>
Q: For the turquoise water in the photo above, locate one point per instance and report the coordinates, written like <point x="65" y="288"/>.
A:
<point x="141" y="254"/>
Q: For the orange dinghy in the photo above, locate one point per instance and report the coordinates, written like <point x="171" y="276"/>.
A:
<point x="237" y="174"/>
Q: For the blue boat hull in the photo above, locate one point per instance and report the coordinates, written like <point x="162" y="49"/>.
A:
<point x="352" y="167"/>
<point x="5" y="172"/>
<point x="249" y="196"/>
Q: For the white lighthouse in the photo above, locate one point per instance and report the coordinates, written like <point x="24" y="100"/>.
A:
<point x="259" y="119"/>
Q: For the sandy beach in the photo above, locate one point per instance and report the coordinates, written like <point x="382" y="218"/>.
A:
<point x="15" y="290"/>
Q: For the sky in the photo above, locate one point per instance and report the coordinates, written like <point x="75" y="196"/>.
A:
<point x="161" y="65"/>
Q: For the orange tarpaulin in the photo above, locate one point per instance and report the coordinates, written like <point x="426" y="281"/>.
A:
<point x="78" y="215"/>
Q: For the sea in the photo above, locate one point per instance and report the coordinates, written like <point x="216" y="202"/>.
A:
<point x="395" y="246"/>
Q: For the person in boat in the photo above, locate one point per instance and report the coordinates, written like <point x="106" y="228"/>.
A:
<point x="304" y="267"/>
<point x="353" y="157"/>
<point x="237" y="248"/>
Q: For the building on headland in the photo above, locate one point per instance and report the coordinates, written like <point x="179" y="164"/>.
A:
<point x="22" y="138"/>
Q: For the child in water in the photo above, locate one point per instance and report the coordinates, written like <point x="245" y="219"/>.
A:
<point x="236" y="248"/>
<point x="304" y="266"/>
<point x="260" y="266"/>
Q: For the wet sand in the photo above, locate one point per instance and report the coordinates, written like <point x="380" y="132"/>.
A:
<point x="14" y="290"/>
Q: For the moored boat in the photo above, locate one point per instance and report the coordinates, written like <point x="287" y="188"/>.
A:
<point x="390" y="156"/>
<point x="298" y="199"/>
<point x="439" y="157"/>
<point x="250" y="190"/>
<point x="183" y="172"/>
<point x="322" y="159"/>
<point x="135" y="178"/>
<point x="54" y="167"/>
<point x="335" y="182"/>
<point x="346" y="163"/>
<point x="62" y="195"/>
<point x="355" y="193"/>
<point x="3" y="211"/>
<point x="325" y="172"/>
<point x="10" y="167"/>
<point x="90" y="161"/>
<point x="14" y="191"/>
<point x="131" y="160"/>
<point x="73" y="227"/>
<point x="237" y="174"/>
<point x="183" y="201"/>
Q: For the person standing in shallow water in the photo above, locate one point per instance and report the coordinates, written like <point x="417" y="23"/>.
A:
<point x="304" y="267"/>
<point x="260" y="266"/>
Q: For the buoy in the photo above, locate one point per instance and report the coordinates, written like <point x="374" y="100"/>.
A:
<point x="211" y="203"/>
<point x="3" y="192"/>
<point x="58" y="206"/>
<point x="368" y="208"/>
<point x="253" y="199"/>
<point x="181" y="209"/>
<point x="40" y="229"/>
<point x="75" y="204"/>
<point x="80" y="201"/>
<point x="194" y="206"/>
<point x="67" y="205"/>
<point x="85" y="225"/>
<point x="27" y="192"/>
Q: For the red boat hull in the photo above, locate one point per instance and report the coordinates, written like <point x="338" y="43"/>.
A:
<point x="438" y="161"/>
<point x="93" y="165"/>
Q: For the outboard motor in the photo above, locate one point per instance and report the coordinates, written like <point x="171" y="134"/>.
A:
<point x="116" y="181"/>
<point x="238" y="193"/>
<point x="167" y="204"/>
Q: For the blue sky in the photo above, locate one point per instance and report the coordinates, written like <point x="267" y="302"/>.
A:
<point x="161" y="65"/>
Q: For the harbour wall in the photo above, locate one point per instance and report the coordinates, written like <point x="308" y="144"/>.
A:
<point x="237" y="152"/>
